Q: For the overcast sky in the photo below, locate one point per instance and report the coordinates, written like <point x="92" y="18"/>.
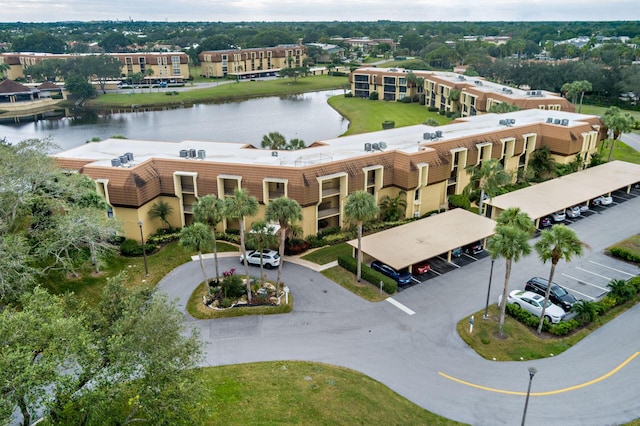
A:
<point x="319" y="10"/>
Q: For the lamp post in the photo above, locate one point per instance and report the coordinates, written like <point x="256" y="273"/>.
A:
<point x="144" y="251"/>
<point x="532" y="372"/>
<point x="486" y="307"/>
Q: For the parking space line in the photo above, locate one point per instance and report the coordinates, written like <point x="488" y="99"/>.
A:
<point x="593" y="273"/>
<point x="400" y="306"/>
<point x="613" y="269"/>
<point x="585" y="282"/>
<point x="435" y="272"/>
<point x="581" y="294"/>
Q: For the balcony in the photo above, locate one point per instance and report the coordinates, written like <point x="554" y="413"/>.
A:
<point x="328" y="212"/>
<point x="330" y="192"/>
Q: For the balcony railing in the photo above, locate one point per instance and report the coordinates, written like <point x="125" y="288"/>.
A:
<point x="325" y="213"/>
<point x="328" y="192"/>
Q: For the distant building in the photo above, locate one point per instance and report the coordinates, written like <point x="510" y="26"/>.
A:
<point x="328" y="50"/>
<point x="164" y="65"/>
<point x="451" y="92"/>
<point x="251" y="63"/>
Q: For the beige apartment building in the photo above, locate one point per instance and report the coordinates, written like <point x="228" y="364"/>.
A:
<point x="251" y="63"/>
<point x="427" y="163"/>
<point x="451" y="92"/>
<point x="155" y="66"/>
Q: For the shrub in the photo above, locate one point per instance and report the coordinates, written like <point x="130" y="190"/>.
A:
<point x="405" y="100"/>
<point x="374" y="277"/>
<point x="564" y="328"/>
<point x="459" y="200"/>
<point x="432" y="109"/>
<point x="625" y="254"/>
<point x="606" y="304"/>
<point x="296" y="246"/>
<point x="225" y="303"/>
<point x="585" y="310"/>
<point x="232" y="287"/>
<point x="526" y="318"/>
<point x="622" y="290"/>
<point x="348" y="95"/>
<point x="337" y="238"/>
<point x="315" y="241"/>
<point x="131" y="248"/>
<point x="329" y="231"/>
<point x="373" y="96"/>
<point x="422" y="100"/>
<point x="388" y="124"/>
<point x="162" y="236"/>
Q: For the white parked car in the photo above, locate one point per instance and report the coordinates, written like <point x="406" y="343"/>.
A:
<point x="270" y="258"/>
<point x="558" y="216"/>
<point x="603" y="200"/>
<point x="532" y="303"/>
<point x="573" y="212"/>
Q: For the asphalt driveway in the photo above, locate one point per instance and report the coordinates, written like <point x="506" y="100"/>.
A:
<point x="421" y="356"/>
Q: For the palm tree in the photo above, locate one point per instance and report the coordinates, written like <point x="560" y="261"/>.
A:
<point x="262" y="237"/>
<point x="542" y="163"/>
<point x="360" y="207"/>
<point x="393" y="209"/>
<point x="585" y="310"/>
<point x="238" y="207"/>
<point x="286" y="212"/>
<point x="197" y="237"/>
<point x="274" y="140"/>
<point x="618" y="123"/>
<point x="489" y="177"/>
<point x="511" y="242"/>
<point x="210" y="211"/>
<point x="295" y="144"/>
<point x="513" y="216"/>
<point x="161" y="210"/>
<point x="575" y="88"/>
<point x="559" y="242"/>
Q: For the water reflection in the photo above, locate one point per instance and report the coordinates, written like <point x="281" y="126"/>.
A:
<point x="305" y="116"/>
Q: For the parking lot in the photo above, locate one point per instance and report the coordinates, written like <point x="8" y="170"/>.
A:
<point x="586" y="280"/>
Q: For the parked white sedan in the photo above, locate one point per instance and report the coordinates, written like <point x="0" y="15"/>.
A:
<point x="532" y="302"/>
<point x="603" y="200"/>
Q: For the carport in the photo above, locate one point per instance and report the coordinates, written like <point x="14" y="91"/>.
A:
<point x="576" y="188"/>
<point x="406" y="245"/>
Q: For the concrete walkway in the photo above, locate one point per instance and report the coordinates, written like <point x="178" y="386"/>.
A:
<point x="422" y="357"/>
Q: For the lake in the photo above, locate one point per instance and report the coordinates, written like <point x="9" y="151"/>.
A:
<point x="306" y="116"/>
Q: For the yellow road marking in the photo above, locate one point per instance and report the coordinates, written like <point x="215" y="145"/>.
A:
<point x="570" y="388"/>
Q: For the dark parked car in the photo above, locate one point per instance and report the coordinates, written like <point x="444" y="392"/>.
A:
<point x="558" y="296"/>
<point x="545" y="222"/>
<point x="402" y="278"/>
<point x="473" y="248"/>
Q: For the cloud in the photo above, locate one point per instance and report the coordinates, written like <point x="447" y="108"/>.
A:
<point x="328" y="10"/>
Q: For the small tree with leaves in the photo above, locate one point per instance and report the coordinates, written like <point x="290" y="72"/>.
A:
<point x="161" y="210"/>
<point x="359" y="208"/>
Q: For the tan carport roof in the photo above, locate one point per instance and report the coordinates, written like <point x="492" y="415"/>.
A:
<point x="408" y="244"/>
<point x="566" y="191"/>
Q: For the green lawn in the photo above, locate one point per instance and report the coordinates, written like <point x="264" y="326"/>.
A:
<point x="305" y="393"/>
<point x="223" y="92"/>
<point x="328" y="254"/>
<point x="365" y="115"/>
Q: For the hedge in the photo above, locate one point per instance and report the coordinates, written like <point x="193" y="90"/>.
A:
<point x="625" y="254"/>
<point x="389" y="285"/>
<point x="131" y="248"/>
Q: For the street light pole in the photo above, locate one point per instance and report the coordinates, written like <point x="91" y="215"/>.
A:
<point x="144" y="252"/>
<point x="486" y="307"/>
<point x="532" y="372"/>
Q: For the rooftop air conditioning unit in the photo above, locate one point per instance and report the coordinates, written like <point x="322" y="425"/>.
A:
<point x="123" y="159"/>
<point x="192" y="153"/>
<point x="438" y="133"/>
<point x="512" y="121"/>
<point x="375" y="146"/>
<point x="184" y="153"/>
<point x="557" y="121"/>
<point x="549" y="120"/>
<point x="129" y="155"/>
<point x="502" y="122"/>
<point x="565" y="122"/>
<point x="382" y="145"/>
<point x="367" y="147"/>
<point x="115" y="162"/>
<point x="274" y="153"/>
<point x="202" y="154"/>
<point x="426" y="136"/>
